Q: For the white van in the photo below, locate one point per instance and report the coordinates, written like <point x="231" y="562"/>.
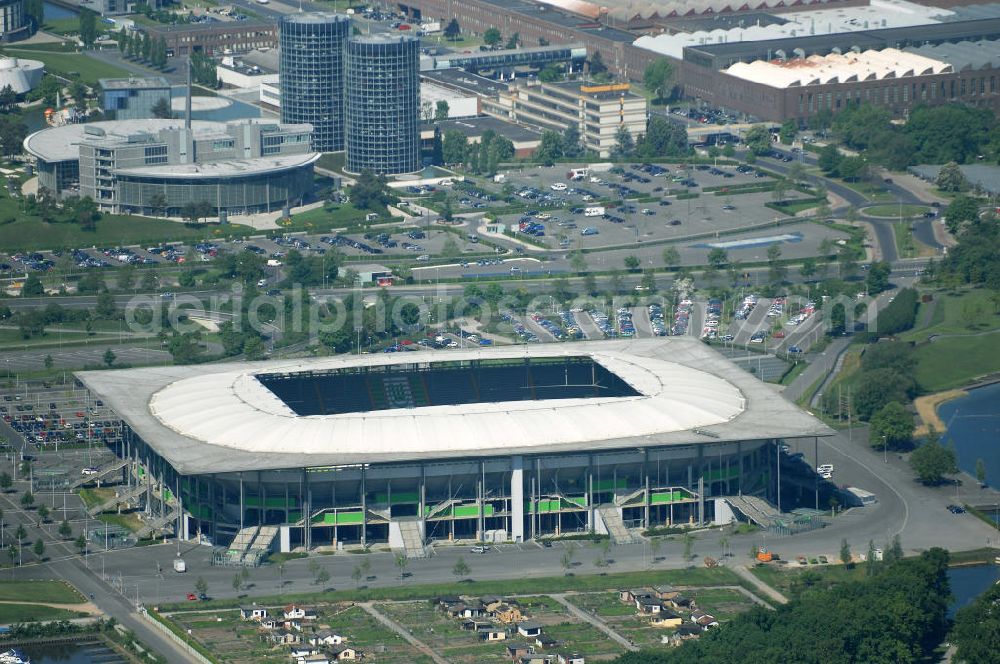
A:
<point x="593" y="212"/>
<point x="825" y="468"/>
<point x="557" y="186"/>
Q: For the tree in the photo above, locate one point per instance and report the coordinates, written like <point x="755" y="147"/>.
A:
<point x="161" y="109"/>
<point x="492" y="37"/>
<point x="891" y="426"/>
<point x="657" y="78"/>
<point x="577" y="262"/>
<point x="981" y="472"/>
<point x="845" y="552"/>
<point x="961" y="211"/>
<point x="370" y="191"/>
<point x="452" y="31"/>
<point x="631" y="263"/>
<point x="356" y="575"/>
<point x="454" y="147"/>
<point x="663" y="138"/>
<point x="32" y="286"/>
<point x="5" y="482"/>
<point x="20" y="533"/>
<point x="65" y="531"/>
<point x="758" y="140"/>
<point x="951" y="178"/>
<point x="877" y="280"/>
<point x="717" y="258"/>
<point x="322" y="577"/>
<point x="549" y="74"/>
<point x="39" y="548"/>
<point x="201" y="585"/>
<point x="571" y="143"/>
<point x="567" y="558"/>
<point x="88" y="27"/>
<point x="976" y="634"/>
<point x="8" y="99"/>
<point x="109" y="357"/>
<point x="237" y="582"/>
<point x="441" y="110"/>
<point x="596" y="65"/>
<point x="789" y="130"/>
<point x="48" y="361"/>
<point x="550" y="148"/>
<point x="932" y="461"/>
<point x="624" y="143"/>
<point x="81" y="544"/>
<point x="27" y="500"/>
<point x="43" y="514"/>
<point x="871" y="562"/>
<point x="461" y="568"/>
<point x="688" y="539"/>
<point x="671" y="257"/>
<point x="401" y="562"/>
<point x="514" y="40"/>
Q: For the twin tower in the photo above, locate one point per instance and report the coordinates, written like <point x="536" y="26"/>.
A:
<point x="360" y="93"/>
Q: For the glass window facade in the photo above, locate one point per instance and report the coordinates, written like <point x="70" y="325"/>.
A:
<point x="311" y="74"/>
<point x="383" y="104"/>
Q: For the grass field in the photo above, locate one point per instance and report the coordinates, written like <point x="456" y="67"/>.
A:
<point x="18" y="613"/>
<point x="30" y="233"/>
<point x="955" y="361"/>
<point x="526" y="586"/>
<point x="790" y="582"/>
<point x="63" y="26"/>
<point x="895" y="211"/>
<point x="874" y="193"/>
<point x="86" y="69"/>
<point x="961" y="312"/>
<point x="55" y="592"/>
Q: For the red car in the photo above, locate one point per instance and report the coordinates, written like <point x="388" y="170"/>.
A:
<point x="192" y="597"/>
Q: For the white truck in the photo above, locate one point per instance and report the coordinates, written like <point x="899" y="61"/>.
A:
<point x="179" y="565"/>
<point x="594" y="212"/>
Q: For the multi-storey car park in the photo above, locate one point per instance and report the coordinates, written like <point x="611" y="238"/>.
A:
<point x="496" y="443"/>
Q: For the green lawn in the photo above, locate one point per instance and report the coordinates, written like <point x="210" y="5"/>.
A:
<point x="956" y="361"/>
<point x="874" y="193"/>
<point x="591" y="582"/>
<point x="895" y="211"/>
<point x="56" y="592"/>
<point x="18" y="613"/>
<point x="23" y="233"/>
<point x="88" y="69"/>
<point x="961" y="312"/>
<point x="63" y="26"/>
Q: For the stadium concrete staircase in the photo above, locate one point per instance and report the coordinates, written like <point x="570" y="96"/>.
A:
<point x="121" y="497"/>
<point x="616" y="527"/>
<point x="413" y="543"/>
<point x="755" y="509"/>
<point x="158" y="523"/>
<point x="102" y="472"/>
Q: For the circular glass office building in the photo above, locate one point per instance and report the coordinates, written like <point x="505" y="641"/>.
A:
<point x="311" y="74"/>
<point x="383" y="104"/>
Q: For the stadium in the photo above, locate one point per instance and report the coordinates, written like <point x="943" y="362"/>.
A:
<point x="499" y="444"/>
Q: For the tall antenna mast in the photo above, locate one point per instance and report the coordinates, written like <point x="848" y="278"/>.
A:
<point x="187" y="97"/>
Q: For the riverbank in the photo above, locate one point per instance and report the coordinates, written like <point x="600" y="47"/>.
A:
<point x="927" y="409"/>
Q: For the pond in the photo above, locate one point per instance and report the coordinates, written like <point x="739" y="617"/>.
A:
<point x="967" y="583"/>
<point x="973" y="423"/>
<point x="56" y="12"/>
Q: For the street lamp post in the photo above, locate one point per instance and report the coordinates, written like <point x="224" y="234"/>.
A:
<point x="885" y="449"/>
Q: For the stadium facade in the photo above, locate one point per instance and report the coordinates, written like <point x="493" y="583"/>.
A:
<point x="499" y="444"/>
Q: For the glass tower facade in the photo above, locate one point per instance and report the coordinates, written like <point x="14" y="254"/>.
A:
<point x="311" y="74"/>
<point x="383" y="104"/>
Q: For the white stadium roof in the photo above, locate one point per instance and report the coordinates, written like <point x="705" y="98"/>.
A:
<point x="220" y="418"/>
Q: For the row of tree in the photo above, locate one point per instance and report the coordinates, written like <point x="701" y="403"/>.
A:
<point x="140" y="46"/>
<point x="482" y="157"/>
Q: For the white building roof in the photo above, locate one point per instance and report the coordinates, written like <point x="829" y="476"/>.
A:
<point x="880" y="14"/>
<point x="20" y="75"/>
<point x="220" y="418"/>
<point x="837" y="68"/>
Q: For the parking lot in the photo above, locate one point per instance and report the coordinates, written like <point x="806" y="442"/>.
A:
<point x="634" y="204"/>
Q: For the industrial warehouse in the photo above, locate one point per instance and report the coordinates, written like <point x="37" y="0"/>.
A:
<point x="496" y="444"/>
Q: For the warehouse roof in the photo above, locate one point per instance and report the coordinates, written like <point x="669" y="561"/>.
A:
<point x="221" y="418"/>
<point x="963" y="55"/>
<point x="831" y="22"/>
<point x="837" y="68"/>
